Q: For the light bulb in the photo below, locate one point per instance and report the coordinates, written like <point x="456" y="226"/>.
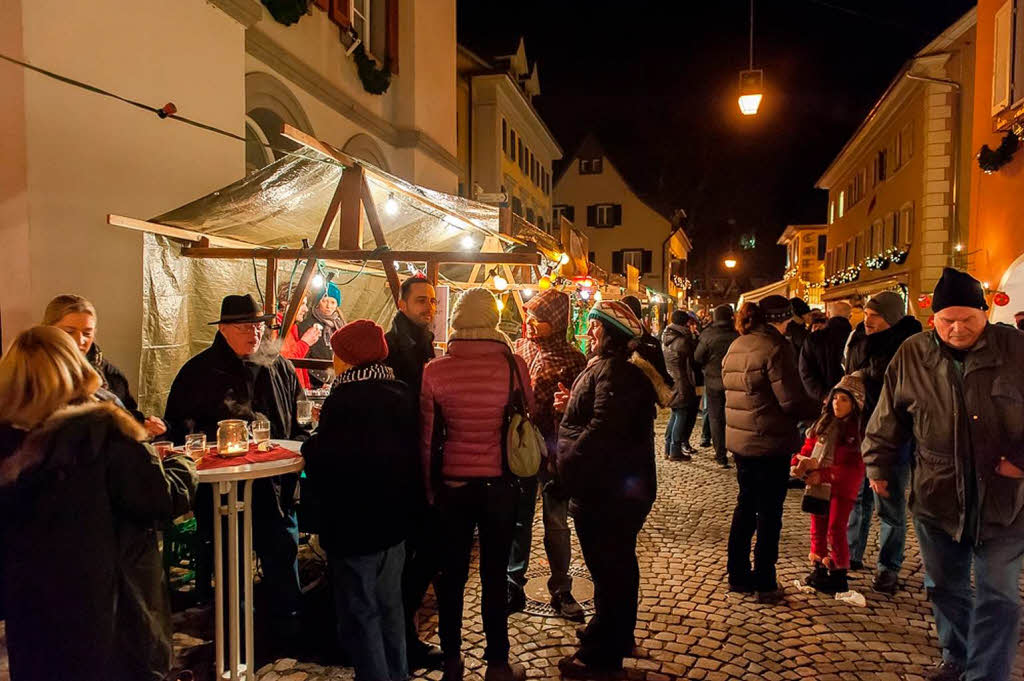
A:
<point x="598" y="297"/>
<point x="563" y="259"/>
<point x="749" y="104"/>
<point x="501" y="304"/>
<point x="318" y="280"/>
<point x="958" y="248"/>
<point x="398" y="266"/>
<point x="585" y="295"/>
<point x="544" y="283"/>
<point x="527" y="293"/>
<point x="985" y="284"/>
<point x="467" y="242"/>
<point x="391" y="205"/>
<point x="500" y="283"/>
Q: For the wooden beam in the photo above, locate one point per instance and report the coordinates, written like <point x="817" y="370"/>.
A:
<point x="270" y="300"/>
<point x="454" y="257"/>
<point x="433" y="269"/>
<point x="516" y="295"/>
<point x="310" y="266"/>
<point x="299" y="137"/>
<point x="173" y="232"/>
<point x="350" y="231"/>
<point x="378" y="236"/>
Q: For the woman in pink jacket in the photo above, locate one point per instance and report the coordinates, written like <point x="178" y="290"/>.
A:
<point x="462" y="406"/>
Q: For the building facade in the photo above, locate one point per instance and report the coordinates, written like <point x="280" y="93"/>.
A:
<point x="995" y="249"/>
<point x="806" y="246"/>
<point x="72" y="156"/>
<point x="899" y="190"/>
<point x="504" y="146"/>
<point x="622" y="228"/>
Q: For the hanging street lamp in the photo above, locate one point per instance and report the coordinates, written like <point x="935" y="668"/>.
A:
<point x="751" y="80"/>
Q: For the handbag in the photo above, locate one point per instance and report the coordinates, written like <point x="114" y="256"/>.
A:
<point x="522" y="441"/>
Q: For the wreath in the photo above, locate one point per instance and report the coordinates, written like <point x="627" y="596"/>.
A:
<point x="376" y="79"/>
<point x="990" y="160"/>
<point x="287" y="12"/>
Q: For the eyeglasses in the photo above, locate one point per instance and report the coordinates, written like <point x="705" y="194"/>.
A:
<point x="258" y="327"/>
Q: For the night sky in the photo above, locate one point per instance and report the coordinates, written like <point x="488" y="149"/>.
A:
<point x="657" y="83"/>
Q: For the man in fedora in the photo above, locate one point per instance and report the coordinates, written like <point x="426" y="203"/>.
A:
<point x="232" y="379"/>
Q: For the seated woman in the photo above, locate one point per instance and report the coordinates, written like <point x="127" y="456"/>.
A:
<point x="81" y="500"/>
<point x="77" y="317"/>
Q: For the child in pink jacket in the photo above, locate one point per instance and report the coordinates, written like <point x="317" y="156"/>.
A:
<point x="831" y="465"/>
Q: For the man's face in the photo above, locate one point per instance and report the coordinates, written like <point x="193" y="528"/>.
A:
<point x="421" y="304"/>
<point x="874" y="322"/>
<point x="535" y="328"/>
<point x="327" y="306"/>
<point x="244" y="339"/>
<point x="960" y="327"/>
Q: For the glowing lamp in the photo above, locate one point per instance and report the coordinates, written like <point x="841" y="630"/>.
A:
<point x="318" y="281"/>
<point x="500" y="282"/>
<point x="749" y="104"/>
<point x="391" y="205"/>
<point x="598" y="297"/>
<point x="501" y="304"/>
<point x="729" y="263"/>
<point x="587" y="283"/>
<point x="527" y="293"/>
<point x="467" y="242"/>
<point x="751" y="91"/>
<point x="563" y="259"/>
<point x="544" y="283"/>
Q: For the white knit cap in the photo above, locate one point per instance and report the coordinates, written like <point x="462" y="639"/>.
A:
<point x="476" y="317"/>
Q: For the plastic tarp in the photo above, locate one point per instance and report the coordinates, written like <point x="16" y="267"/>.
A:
<point x="280" y="205"/>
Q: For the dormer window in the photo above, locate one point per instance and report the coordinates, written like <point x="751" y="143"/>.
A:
<point x="590" y="166"/>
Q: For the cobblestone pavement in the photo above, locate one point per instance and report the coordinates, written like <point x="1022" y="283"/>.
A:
<point x="690" y="627"/>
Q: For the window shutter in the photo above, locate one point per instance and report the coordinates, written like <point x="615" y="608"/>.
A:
<point x="1018" y="56"/>
<point x="617" y="214"/>
<point x="906" y="225"/>
<point x="1002" y="47"/>
<point x="570" y="213"/>
<point x="648" y="262"/>
<point x="341" y="12"/>
<point x="392" y="35"/>
<point x="822" y="240"/>
<point x="592" y="216"/>
<point x="617" y="263"/>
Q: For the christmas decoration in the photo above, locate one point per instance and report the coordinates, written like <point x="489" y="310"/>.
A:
<point x="1001" y="298"/>
<point x="376" y="78"/>
<point x="924" y="301"/>
<point x="990" y="160"/>
<point x="286" y="12"/>
<point x="931" y="322"/>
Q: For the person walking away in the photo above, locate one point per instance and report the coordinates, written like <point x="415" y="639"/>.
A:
<point x="831" y="464"/>
<point x="871" y="348"/>
<point x="295" y="346"/>
<point x="462" y="407"/>
<point x="234" y="379"/>
<point x="82" y="501"/>
<point x="821" y="359"/>
<point x="647" y="346"/>
<point x="678" y="345"/>
<point x="552" y="361"/>
<point x="818" y="320"/>
<point x="327" y="316"/>
<point x="76" y="316"/>
<point x="714" y="342"/>
<point x="956" y="392"/>
<point x="362" y="466"/>
<point x="796" y="331"/>
<point x="764" y="402"/>
<point x="606" y="461"/>
<point x="410" y="346"/>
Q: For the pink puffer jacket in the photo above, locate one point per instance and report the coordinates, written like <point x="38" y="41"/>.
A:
<point x="469" y="388"/>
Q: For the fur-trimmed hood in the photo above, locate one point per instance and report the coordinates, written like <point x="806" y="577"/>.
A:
<point x="85" y="425"/>
<point x="664" y="392"/>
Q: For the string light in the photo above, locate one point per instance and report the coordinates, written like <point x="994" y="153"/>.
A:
<point x="563" y="259"/>
<point x="391" y="205"/>
<point x="501" y="304"/>
<point x="500" y="282"/>
<point x="467" y="242"/>
<point x="318" y="281"/>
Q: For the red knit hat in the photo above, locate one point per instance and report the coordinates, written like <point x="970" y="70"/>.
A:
<point x="360" y="342"/>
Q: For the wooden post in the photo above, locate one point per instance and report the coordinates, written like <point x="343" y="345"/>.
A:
<point x="378" y="236"/>
<point x="270" y="299"/>
<point x="433" y="269"/>
<point x="350" y="233"/>
<point x="516" y="293"/>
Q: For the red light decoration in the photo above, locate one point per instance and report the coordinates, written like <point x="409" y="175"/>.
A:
<point x="924" y="301"/>
<point x="1001" y="298"/>
<point x="931" y="322"/>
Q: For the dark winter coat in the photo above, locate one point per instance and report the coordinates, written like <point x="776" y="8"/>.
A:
<point x="606" y="441"/>
<point x="821" y="360"/>
<point x="965" y="416"/>
<point x="796" y="333"/>
<point x="409" y="349"/>
<point x="115" y="381"/>
<point x="649" y="348"/>
<point x="764" y="399"/>
<point x="82" y="500"/>
<point x="679" y="345"/>
<point x="714" y="342"/>
<point x="871" y="354"/>
<point x="362" y="464"/>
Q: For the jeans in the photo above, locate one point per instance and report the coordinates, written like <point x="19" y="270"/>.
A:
<point x="716" y="417"/>
<point x="680" y="427"/>
<point x="608" y="541"/>
<point x="491" y="506"/>
<point x="557" y="539"/>
<point x="705" y="420"/>
<point x="892" y="513"/>
<point x="368" y="600"/>
<point x="763" y="486"/>
<point x="828" y="533"/>
<point x="978" y="629"/>
<point x="422" y="563"/>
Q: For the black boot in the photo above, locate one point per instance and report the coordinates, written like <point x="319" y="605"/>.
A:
<point x="818" y="579"/>
<point x="838" y="581"/>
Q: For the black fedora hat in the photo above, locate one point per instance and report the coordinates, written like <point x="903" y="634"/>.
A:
<point x="241" y="310"/>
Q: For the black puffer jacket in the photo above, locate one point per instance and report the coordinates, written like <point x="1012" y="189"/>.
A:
<point x="649" y="347"/>
<point x="796" y="333"/>
<point x="410" y="347"/>
<point x="821" y="360"/>
<point x="679" y="346"/>
<point x="871" y="355"/>
<point x="764" y="399"/>
<point x="711" y="348"/>
<point x="606" y="441"/>
<point x="82" y="501"/>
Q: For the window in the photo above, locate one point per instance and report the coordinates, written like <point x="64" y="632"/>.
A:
<point x="822" y="241"/>
<point x="828" y="263"/>
<point x="590" y="166"/>
<point x="531" y="217"/>
<point x="634" y="258"/>
<point x="512" y="144"/>
<point x="519" y="152"/>
<point x="877" y="237"/>
<point x="1002" y="58"/>
<point x="894" y="229"/>
<point x="641" y="259"/>
<point x="569" y="212"/>
<point x="879" y="166"/>
<point x="504" y="136"/>
<point x="842" y="203"/>
<point x="370" y="21"/>
<point x="858" y="249"/>
<point x="906" y="225"/>
<point x="517" y="205"/>
<point x="856" y="187"/>
<point x="831" y="212"/>
<point x="907" y="142"/>
<point x="604" y="215"/>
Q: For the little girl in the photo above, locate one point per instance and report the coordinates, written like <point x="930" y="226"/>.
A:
<point x="831" y="464"/>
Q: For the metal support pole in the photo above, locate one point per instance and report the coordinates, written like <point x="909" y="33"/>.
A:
<point x="218" y="578"/>
<point x="234" y="638"/>
<point x="250" y="650"/>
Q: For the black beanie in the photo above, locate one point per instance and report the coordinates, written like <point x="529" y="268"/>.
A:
<point x="958" y="289"/>
<point x="800" y="307"/>
<point x="722" y="313"/>
<point x="680" y="317"/>
<point x="776" y="309"/>
<point x="634" y="304"/>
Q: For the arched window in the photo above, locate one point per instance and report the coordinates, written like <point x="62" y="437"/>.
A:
<point x="365" y="148"/>
<point x="269" y="104"/>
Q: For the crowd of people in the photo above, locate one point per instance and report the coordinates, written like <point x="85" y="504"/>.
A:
<point x="410" y="461"/>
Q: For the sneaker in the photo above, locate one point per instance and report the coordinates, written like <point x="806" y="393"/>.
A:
<point x="886" y="582"/>
<point x="856" y="565"/>
<point x="422" y="655"/>
<point x="516" y="599"/>
<point x="723" y="462"/>
<point x="771" y="597"/>
<point x="454" y="668"/>
<point x="688" y="450"/>
<point x="505" y="672"/>
<point x="946" y="671"/>
<point x="567" y="606"/>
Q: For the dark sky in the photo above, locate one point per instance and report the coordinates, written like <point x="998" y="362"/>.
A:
<point x="656" y="81"/>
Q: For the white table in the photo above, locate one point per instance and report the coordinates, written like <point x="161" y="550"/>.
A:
<point x="227" y="480"/>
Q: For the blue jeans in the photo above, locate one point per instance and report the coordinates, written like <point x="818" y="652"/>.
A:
<point x="680" y="427"/>
<point x="557" y="537"/>
<point x="978" y="629"/>
<point x="892" y="513"/>
<point x="371" y="620"/>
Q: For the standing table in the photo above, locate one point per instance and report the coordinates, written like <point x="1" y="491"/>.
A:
<point x="227" y="480"/>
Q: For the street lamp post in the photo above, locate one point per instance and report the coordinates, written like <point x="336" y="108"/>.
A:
<point x="751" y="80"/>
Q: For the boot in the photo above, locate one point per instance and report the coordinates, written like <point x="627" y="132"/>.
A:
<point x="838" y="581"/>
<point x="677" y="453"/>
<point x="505" y="672"/>
<point x="818" y="579"/>
<point x="453" y="669"/>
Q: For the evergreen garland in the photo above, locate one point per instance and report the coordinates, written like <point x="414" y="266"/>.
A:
<point x="287" y="12"/>
<point x="990" y="160"/>
<point x="376" y="80"/>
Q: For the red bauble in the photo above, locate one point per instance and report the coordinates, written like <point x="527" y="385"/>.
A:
<point x="1001" y="298"/>
<point x="931" y="322"/>
<point x="924" y="301"/>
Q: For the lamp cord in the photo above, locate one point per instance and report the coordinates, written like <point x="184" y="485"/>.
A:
<point x="751" y="67"/>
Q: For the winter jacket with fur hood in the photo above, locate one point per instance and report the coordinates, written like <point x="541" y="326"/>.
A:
<point x="679" y="345"/>
<point x="82" y="499"/>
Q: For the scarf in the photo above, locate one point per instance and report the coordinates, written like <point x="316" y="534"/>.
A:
<point x="369" y="372"/>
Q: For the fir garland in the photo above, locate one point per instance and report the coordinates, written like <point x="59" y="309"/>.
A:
<point x="990" y="160"/>
<point x="376" y="80"/>
<point x="287" y="12"/>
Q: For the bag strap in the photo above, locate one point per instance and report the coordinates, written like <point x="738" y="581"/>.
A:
<point x="513" y="379"/>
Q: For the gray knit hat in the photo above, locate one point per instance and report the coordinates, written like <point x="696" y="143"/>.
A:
<point x="888" y="304"/>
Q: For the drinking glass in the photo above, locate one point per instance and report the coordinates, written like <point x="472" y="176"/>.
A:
<point x="304" y="412"/>
<point x="261" y="434"/>
<point x="195" y="445"/>
<point x="163" y="447"/>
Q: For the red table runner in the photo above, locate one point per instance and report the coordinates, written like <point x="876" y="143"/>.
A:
<point x="213" y="460"/>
